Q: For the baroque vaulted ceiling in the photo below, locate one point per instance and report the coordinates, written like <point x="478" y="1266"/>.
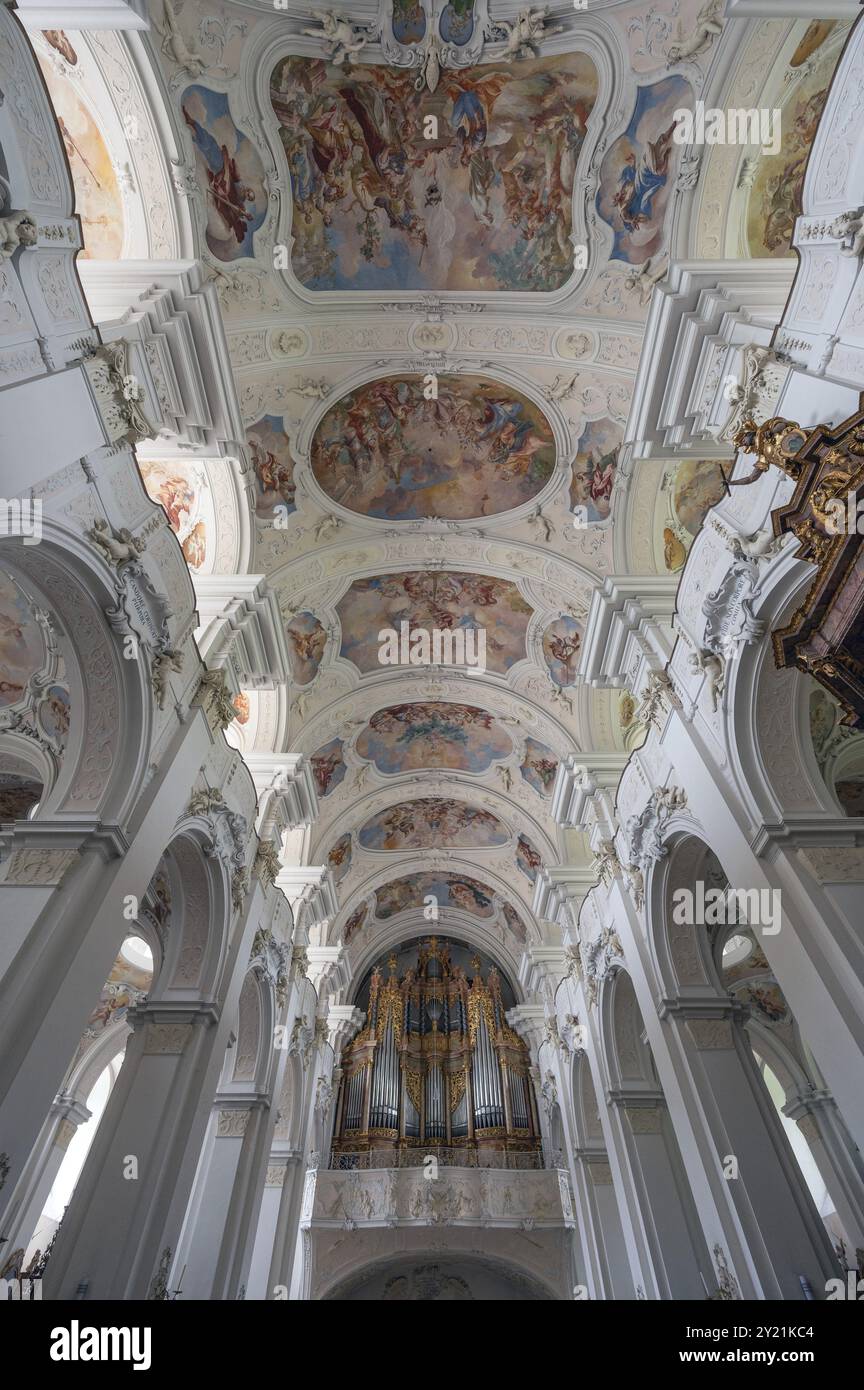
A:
<point x="433" y="210"/>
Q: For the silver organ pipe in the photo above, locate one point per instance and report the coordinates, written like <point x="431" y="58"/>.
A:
<point x="437" y="1054"/>
<point x="488" y="1106"/>
<point x="354" y="1109"/>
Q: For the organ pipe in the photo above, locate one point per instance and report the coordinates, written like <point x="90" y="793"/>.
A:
<point x="436" y="1062"/>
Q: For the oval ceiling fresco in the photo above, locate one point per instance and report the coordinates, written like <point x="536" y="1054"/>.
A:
<point x="432" y="599"/>
<point x="406" y="737"/>
<point x="561" y="643"/>
<point x="450" y="890"/>
<point x="485" y="203"/>
<point x="478" y="449"/>
<point x="432" y="823"/>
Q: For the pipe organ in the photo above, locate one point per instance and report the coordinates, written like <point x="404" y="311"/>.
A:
<point x="436" y="1064"/>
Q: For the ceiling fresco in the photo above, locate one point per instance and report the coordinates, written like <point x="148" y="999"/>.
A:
<point x="328" y="766"/>
<point x="433" y="599"/>
<point x="430" y="734"/>
<point x="270" y="456"/>
<point x="690" y="488"/>
<point x="539" y="766"/>
<point x="306" y="643"/>
<point x="181" y="488"/>
<point x="638" y="171"/>
<point x="450" y="890"/>
<point x="562" y="642"/>
<point x="430" y="403"/>
<point x="97" y="191"/>
<point x="230" y="170"/>
<point x="475" y="450"/>
<point x="778" y="179"/>
<point x="432" y="823"/>
<point x="594" y="469"/>
<point x="485" y="203"/>
<point x="22" y="646"/>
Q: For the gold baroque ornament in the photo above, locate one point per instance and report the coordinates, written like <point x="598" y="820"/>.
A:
<point x="776" y="442"/>
<point x="414" y="1087"/>
<point x="458" y="1084"/>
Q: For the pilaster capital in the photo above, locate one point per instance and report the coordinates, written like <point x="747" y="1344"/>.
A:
<point x="343" y="1020"/>
<point x="285" y="787"/>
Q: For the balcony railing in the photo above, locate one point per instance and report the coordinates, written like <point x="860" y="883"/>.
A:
<point x="466" y="1156"/>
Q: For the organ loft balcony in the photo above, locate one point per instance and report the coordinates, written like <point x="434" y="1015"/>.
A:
<point x="436" y="1193"/>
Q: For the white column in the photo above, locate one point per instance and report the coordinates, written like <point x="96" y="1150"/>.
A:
<point x="67" y="937"/>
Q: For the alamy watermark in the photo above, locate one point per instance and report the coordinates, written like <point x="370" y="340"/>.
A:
<point x="700" y="906"/>
<point x="739" y="125"/>
<point x="437" y="646"/>
<point x="21" y="516"/>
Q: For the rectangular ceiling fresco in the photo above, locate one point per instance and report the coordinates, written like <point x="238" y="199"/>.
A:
<point x="482" y="203"/>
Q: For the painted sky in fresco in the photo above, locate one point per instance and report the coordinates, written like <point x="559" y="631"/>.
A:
<point x="638" y="171"/>
<point x="429" y="599"/>
<point x="562" y="642"/>
<point x="487" y="205"/>
<point x="22" y="650"/>
<point x="451" y="890"/>
<point x="430" y="734"/>
<point x="229" y="170"/>
<point x="479" y="449"/>
<point x="432" y="823"/>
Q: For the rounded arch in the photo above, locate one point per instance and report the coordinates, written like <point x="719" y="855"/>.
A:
<point x="681" y="947"/>
<point x="627" y="1057"/>
<point x="200" y="912"/>
<point x="586" y="1110"/>
<point x="110" y="703"/>
<point x="513" y="1281"/>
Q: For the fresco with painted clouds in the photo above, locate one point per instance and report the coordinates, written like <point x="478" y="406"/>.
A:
<point x="478" y="449"/>
<point x="485" y="204"/>
<point x="528" y="858"/>
<point x="306" y="642"/>
<point x="514" y="922"/>
<point x="126" y="986"/>
<point x="97" y="193"/>
<point x="775" y="194"/>
<point x="328" y="766"/>
<point x="594" y="470"/>
<point x="270" y="453"/>
<point x="638" y="172"/>
<point x="539" y="766"/>
<point x="432" y="823"/>
<point x="180" y="488"/>
<point x="562" y="642"/>
<point x="434" y="599"/>
<point x="22" y="650"/>
<point x="230" y="173"/>
<point x="355" y="923"/>
<point x="406" y="737"/>
<point x="450" y="890"/>
<point x="339" y="858"/>
<point x="694" y="487"/>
